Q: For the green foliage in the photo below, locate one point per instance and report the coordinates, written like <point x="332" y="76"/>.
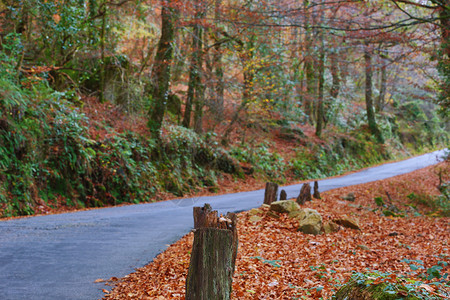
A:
<point x="341" y="154"/>
<point x="440" y="205"/>
<point x="379" y="201"/>
<point x="266" y="163"/>
<point x="385" y="286"/>
<point x="273" y="263"/>
<point x="47" y="154"/>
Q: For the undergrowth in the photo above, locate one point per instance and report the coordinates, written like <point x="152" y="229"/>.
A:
<point x="48" y="158"/>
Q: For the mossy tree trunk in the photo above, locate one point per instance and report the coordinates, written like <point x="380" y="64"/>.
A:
<point x="320" y="114"/>
<point x="213" y="256"/>
<point x="368" y="95"/>
<point x="162" y="68"/>
<point x="196" y="90"/>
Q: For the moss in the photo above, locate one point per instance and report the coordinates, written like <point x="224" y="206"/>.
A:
<point x="365" y="291"/>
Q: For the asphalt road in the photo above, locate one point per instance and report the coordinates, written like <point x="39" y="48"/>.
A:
<point x="60" y="256"/>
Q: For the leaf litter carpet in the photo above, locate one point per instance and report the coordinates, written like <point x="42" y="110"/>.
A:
<point x="275" y="261"/>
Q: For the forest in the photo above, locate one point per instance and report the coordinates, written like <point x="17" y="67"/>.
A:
<point x="104" y="102"/>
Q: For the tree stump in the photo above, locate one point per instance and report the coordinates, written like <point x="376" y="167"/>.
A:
<point x="270" y="194"/>
<point x="283" y="195"/>
<point x="213" y="255"/>
<point x="305" y="194"/>
<point x="316" y="194"/>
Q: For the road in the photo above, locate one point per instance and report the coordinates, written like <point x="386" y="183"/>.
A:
<point x="60" y="256"/>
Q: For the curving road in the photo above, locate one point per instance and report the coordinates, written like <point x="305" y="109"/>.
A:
<point x="60" y="256"/>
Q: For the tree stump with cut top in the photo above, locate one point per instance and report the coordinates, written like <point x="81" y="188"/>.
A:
<point x="213" y="255"/>
<point x="270" y="194"/>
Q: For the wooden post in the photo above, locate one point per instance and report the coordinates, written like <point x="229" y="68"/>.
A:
<point x="213" y="255"/>
<point x="270" y="194"/>
<point x="305" y="194"/>
<point x="316" y="194"/>
<point x="283" y="195"/>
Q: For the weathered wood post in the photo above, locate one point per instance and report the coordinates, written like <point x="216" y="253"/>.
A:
<point x="270" y="194"/>
<point x="213" y="255"/>
<point x="305" y="194"/>
<point x="316" y="194"/>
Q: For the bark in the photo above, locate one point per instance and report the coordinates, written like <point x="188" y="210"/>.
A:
<point x="270" y="194"/>
<point x="334" y="69"/>
<point x="320" y="115"/>
<point x="305" y="194"/>
<point x="196" y="90"/>
<point x="383" y="83"/>
<point x="102" y="53"/>
<point x="368" y="96"/>
<point x="283" y="195"/>
<point x="444" y="16"/>
<point x="316" y="194"/>
<point x="213" y="256"/>
<point x="311" y="81"/>
<point x="219" y="70"/>
<point x="162" y="69"/>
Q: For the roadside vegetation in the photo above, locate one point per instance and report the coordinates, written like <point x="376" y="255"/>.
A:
<point x="105" y="103"/>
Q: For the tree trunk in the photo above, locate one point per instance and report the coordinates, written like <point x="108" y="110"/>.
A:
<point x="369" y="101"/>
<point x="444" y="64"/>
<point x="444" y="15"/>
<point x="383" y="83"/>
<point x="104" y="11"/>
<point x="283" y="195"/>
<point x="270" y="194"/>
<point x="195" y="94"/>
<point x="219" y="70"/>
<point x="213" y="256"/>
<point x="320" y="115"/>
<point x="334" y="69"/>
<point x="311" y="81"/>
<point x="161" y="68"/>
<point x="305" y="194"/>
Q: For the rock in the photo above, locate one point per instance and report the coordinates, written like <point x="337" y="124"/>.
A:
<point x="283" y="195"/>
<point x="255" y="219"/>
<point x="331" y="227"/>
<point x="305" y="194"/>
<point x="348" y="222"/>
<point x="273" y="214"/>
<point x="364" y="289"/>
<point x="294" y="214"/>
<point x="265" y="206"/>
<point x="255" y="211"/>
<point x="310" y="221"/>
<point x="350" y="197"/>
<point x="285" y="206"/>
